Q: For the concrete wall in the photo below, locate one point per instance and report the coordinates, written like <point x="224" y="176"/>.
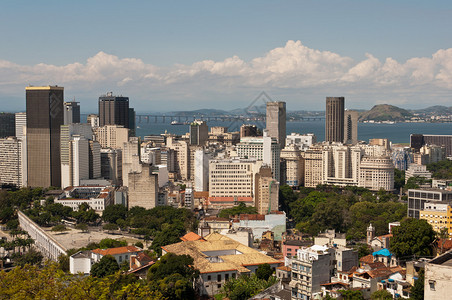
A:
<point x="45" y="243"/>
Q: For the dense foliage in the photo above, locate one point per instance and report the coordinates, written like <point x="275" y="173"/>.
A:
<point x="441" y="169"/>
<point x="107" y="265"/>
<point x="237" y="210"/>
<point x="245" y="287"/>
<point x="412" y="237"/>
<point x="417" y="291"/>
<point x="173" y="276"/>
<point x="31" y="282"/>
<point x="349" y="210"/>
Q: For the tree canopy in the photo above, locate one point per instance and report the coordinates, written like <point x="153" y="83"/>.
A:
<point x="107" y="265"/>
<point x="241" y="208"/>
<point x="412" y="237"/>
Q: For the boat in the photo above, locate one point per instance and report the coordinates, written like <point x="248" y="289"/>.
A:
<point x="177" y="123"/>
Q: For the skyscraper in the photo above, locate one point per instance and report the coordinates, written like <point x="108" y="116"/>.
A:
<point x="276" y="122"/>
<point x="350" y="127"/>
<point x="44" y="118"/>
<point x="21" y="124"/>
<point x="7" y="124"/>
<point x="334" y="119"/>
<point x="71" y="112"/>
<point x="199" y="133"/>
<point x="113" y="110"/>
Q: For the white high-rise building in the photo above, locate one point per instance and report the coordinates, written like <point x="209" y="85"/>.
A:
<point x="130" y="159"/>
<point x="376" y="172"/>
<point x="341" y="164"/>
<point x="112" y="136"/>
<point x="76" y="154"/>
<point x="294" y="165"/>
<point x="201" y="163"/>
<point x="21" y="124"/>
<point x="302" y="141"/>
<point x="233" y="177"/>
<point x="10" y="161"/>
<point x="265" y="148"/>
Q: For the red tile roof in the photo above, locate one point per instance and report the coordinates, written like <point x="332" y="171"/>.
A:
<point x="367" y="259"/>
<point x="115" y="251"/>
<point x="191" y="236"/>
<point x="252" y="217"/>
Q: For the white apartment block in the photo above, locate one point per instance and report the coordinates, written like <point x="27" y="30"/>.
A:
<point x="265" y="148"/>
<point x="313" y="166"/>
<point x="294" y="165"/>
<point x="201" y="171"/>
<point x="341" y="164"/>
<point x="11" y="154"/>
<point x="130" y="159"/>
<point x="233" y="177"/>
<point x="417" y="170"/>
<point x="112" y="136"/>
<point x="303" y="141"/>
<point x="182" y="164"/>
<point x="376" y="173"/>
<point x="21" y="124"/>
<point x="97" y="197"/>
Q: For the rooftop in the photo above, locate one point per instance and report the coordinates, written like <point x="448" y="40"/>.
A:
<point x="220" y="253"/>
<point x="115" y="251"/>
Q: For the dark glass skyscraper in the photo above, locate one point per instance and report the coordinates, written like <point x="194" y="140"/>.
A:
<point x="44" y="119"/>
<point x="71" y="112"/>
<point x="7" y="125"/>
<point x="276" y="121"/>
<point x="334" y="119"/>
<point x="113" y="110"/>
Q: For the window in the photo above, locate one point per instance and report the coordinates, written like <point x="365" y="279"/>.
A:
<point x="431" y="283"/>
<point x="226" y="276"/>
<point x="209" y="277"/>
<point x="233" y="276"/>
<point x="219" y="286"/>
<point x="219" y="277"/>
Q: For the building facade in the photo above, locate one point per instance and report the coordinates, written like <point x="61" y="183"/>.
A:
<point x="71" y="112"/>
<point x="45" y="115"/>
<point x="276" y="122"/>
<point x="113" y="110"/>
<point x="376" y="172"/>
<point x="334" y="119"/>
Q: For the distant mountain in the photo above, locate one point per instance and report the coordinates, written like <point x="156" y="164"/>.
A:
<point x="433" y="110"/>
<point x="385" y="112"/>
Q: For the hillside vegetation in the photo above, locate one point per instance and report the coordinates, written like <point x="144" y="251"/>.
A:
<point x="385" y="112"/>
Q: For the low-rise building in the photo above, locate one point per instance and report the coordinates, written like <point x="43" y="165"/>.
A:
<point x="438" y="277"/>
<point x="219" y="258"/>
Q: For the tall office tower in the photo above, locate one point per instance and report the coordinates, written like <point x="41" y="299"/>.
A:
<point x="248" y="130"/>
<point x="111" y="165"/>
<point x="75" y="153"/>
<point x="266" y="191"/>
<point x="130" y="159"/>
<point x="199" y="133"/>
<point x="276" y="122"/>
<point x="334" y="119"/>
<point x="350" y="127"/>
<point x="294" y="165"/>
<point x="44" y="119"/>
<point x="93" y="120"/>
<point x="7" y="124"/>
<point x="143" y="188"/>
<point x="132" y="126"/>
<point x="71" y="112"/>
<point x="182" y="162"/>
<point x="201" y="170"/>
<point x="112" y="136"/>
<point x="341" y="164"/>
<point x="264" y="148"/>
<point x="113" y="110"/>
<point x="313" y="171"/>
<point x="21" y="124"/>
<point x="94" y="160"/>
<point x="10" y="161"/>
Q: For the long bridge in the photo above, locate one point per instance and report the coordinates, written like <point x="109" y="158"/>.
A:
<point x="145" y="118"/>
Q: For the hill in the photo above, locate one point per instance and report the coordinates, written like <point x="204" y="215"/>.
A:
<point x="385" y="112"/>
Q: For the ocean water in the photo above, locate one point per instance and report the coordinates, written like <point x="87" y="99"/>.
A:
<point x="396" y="133"/>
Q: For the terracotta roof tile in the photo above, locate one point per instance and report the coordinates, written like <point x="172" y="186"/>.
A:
<point x="191" y="236"/>
<point x="115" y="251"/>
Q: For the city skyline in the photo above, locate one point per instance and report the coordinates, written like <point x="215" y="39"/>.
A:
<point x="206" y="55"/>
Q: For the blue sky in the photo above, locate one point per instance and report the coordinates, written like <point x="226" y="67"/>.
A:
<point x="171" y="55"/>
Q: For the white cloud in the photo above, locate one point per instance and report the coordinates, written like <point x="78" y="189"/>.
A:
<point x="294" y="67"/>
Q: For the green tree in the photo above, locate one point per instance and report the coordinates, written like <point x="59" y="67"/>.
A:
<point x="107" y="265"/>
<point x="381" y="295"/>
<point x="169" y="235"/>
<point x="82" y="226"/>
<point x="412" y="237"/>
<point x="286" y="197"/>
<point x="31" y="257"/>
<point x="114" y="212"/>
<point x="264" y="271"/>
<point x="241" y="208"/>
<point x="417" y="291"/>
<point x="110" y="226"/>
<point x="111" y="243"/>
<point x="59" y="228"/>
<point x="399" y="179"/>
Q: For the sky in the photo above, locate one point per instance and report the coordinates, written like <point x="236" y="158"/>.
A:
<point x="184" y="55"/>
